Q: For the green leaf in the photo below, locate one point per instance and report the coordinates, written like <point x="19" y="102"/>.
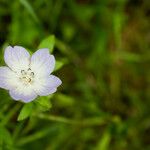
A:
<point x="25" y="111"/>
<point x="29" y="8"/>
<point x="60" y="64"/>
<point x="48" y="42"/>
<point x="43" y="103"/>
<point x="64" y="100"/>
<point x="104" y="142"/>
<point x="5" y="136"/>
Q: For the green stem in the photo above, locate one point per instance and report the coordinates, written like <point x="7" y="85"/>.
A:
<point x="86" y="122"/>
<point x="33" y="137"/>
<point x="10" y="114"/>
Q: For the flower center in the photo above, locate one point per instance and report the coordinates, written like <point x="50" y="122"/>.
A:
<point x="27" y="76"/>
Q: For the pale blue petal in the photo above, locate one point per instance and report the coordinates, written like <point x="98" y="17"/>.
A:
<point x="8" y="79"/>
<point x="47" y="86"/>
<point x="17" y="58"/>
<point x="24" y="94"/>
<point x="42" y="63"/>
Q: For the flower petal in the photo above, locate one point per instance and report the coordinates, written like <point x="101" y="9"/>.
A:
<point x="46" y="86"/>
<point x="24" y="93"/>
<point x="17" y="58"/>
<point x="8" y="79"/>
<point x="42" y="63"/>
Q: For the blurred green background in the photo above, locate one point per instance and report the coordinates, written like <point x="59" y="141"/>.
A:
<point x="104" y="101"/>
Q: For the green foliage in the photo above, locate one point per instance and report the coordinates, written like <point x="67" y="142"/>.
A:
<point x="104" y="142"/>
<point x="48" y="42"/>
<point x="43" y="103"/>
<point x="29" y="8"/>
<point x="60" y="64"/>
<point x="5" y="138"/>
<point x="103" y="53"/>
<point x="26" y="111"/>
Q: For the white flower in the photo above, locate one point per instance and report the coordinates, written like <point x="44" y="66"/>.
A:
<point x="27" y="76"/>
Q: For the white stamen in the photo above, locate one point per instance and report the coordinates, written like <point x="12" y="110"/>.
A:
<point x="26" y="77"/>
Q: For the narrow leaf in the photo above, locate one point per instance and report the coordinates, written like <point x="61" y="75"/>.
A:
<point x="48" y="42"/>
<point x="104" y="142"/>
<point x="25" y="111"/>
<point x="5" y="136"/>
<point x="44" y="103"/>
<point x="60" y="64"/>
<point x="29" y="8"/>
